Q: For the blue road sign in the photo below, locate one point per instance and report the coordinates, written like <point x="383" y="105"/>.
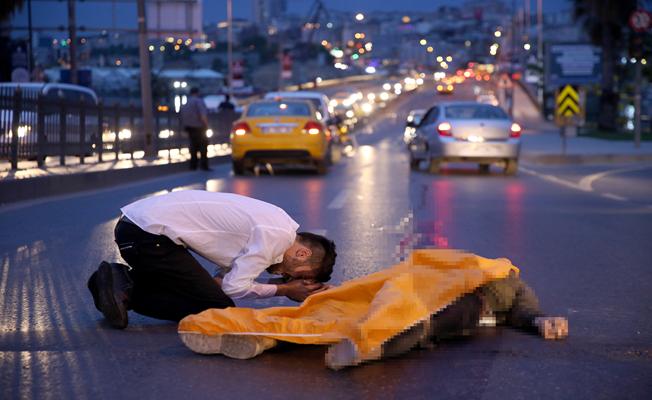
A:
<point x="573" y="64"/>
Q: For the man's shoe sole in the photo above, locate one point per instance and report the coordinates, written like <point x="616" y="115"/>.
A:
<point x="110" y="305"/>
<point x="234" y="346"/>
<point x="92" y="287"/>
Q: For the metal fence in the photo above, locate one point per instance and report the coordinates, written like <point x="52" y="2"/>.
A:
<point x="33" y="127"/>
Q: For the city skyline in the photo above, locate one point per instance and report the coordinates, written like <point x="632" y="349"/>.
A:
<point x="119" y="15"/>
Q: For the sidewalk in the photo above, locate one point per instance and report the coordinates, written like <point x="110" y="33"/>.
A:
<point x="543" y="144"/>
<point x="30" y="182"/>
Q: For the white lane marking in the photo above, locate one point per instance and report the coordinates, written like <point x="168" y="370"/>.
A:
<point x="339" y="200"/>
<point x="613" y="196"/>
<point x="554" y="179"/>
<point x="321" y="232"/>
<point x="587" y="182"/>
<point x="582" y="187"/>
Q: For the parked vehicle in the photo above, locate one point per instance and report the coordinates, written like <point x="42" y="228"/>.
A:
<point x="487" y="98"/>
<point x="466" y="132"/>
<point x="213" y="102"/>
<point x="413" y="120"/>
<point x="44" y="102"/>
<point x="281" y="131"/>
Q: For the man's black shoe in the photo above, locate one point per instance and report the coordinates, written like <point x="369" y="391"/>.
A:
<point x="114" y="288"/>
<point x="92" y="286"/>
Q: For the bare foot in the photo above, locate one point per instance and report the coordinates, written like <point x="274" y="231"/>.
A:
<point x="552" y="328"/>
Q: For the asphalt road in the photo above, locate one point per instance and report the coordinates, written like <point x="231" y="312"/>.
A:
<point x="587" y="255"/>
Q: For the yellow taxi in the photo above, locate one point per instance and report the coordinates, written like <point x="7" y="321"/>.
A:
<point x="445" y="87"/>
<point x="283" y="131"/>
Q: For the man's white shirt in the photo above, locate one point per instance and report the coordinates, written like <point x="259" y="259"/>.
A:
<point x="233" y="231"/>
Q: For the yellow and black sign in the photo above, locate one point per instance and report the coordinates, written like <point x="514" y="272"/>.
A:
<point x="568" y="103"/>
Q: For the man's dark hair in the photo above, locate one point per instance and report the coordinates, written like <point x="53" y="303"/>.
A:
<point x="194" y="90"/>
<point x="323" y="254"/>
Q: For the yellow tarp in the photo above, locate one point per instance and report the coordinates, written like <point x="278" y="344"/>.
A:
<point x="367" y="310"/>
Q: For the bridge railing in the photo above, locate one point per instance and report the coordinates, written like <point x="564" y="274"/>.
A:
<point x="33" y="127"/>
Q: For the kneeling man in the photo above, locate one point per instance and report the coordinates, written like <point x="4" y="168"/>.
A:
<point x="243" y="235"/>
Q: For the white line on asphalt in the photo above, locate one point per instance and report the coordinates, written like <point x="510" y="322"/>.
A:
<point x="584" y="187"/>
<point x="338" y="202"/>
<point x="613" y="196"/>
<point x="554" y="179"/>
<point x="587" y="182"/>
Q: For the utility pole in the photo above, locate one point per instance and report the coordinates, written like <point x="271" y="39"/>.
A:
<point x="527" y="18"/>
<point x="540" y="49"/>
<point x="637" y="103"/>
<point x="512" y="59"/>
<point x="145" y="81"/>
<point x="30" y="52"/>
<point x="229" y="17"/>
<point x="72" y="46"/>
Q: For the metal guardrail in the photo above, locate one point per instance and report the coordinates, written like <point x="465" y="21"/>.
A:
<point x="33" y="127"/>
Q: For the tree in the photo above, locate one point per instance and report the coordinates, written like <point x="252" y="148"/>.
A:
<point x="604" y="21"/>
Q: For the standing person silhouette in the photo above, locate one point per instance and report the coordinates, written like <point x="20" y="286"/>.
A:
<point x="194" y="117"/>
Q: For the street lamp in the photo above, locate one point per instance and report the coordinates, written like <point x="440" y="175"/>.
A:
<point x="527" y="46"/>
<point x="423" y="42"/>
<point x="498" y="34"/>
<point x="359" y="16"/>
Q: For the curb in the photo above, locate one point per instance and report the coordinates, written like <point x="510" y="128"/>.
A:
<point x="579" y="159"/>
<point x="45" y="186"/>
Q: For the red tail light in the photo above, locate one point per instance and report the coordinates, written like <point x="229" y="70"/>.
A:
<point x="313" y="128"/>
<point x="240" y="128"/>
<point x="515" y="130"/>
<point x="444" y="129"/>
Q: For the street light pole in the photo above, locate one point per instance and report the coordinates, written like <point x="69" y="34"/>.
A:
<point x="30" y="57"/>
<point x="145" y="81"/>
<point x="540" y="49"/>
<point x="72" y="46"/>
<point x="229" y="16"/>
<point x="637" y="103"/>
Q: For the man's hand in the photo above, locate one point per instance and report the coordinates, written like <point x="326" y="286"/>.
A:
<point x="299" y="289"/>
<point x="552" y="327"/>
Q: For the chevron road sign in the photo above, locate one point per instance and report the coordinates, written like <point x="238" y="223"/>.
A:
<point x="568" y="106"/>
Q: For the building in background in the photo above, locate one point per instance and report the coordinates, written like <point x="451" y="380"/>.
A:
<point x="268" y="12"/>
<point x="170" y="18"/>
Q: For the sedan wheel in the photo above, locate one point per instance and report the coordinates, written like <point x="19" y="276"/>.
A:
<point x="511" y="167"/>
<point x="322" y="167"/>
<point x="435" y="165"/>
<point x="414" y="162"/>
<point x="238" y="167"/>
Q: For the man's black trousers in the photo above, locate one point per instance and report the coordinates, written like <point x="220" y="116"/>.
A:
<point x="198" y="143"/>
<point x="169" y="283"/>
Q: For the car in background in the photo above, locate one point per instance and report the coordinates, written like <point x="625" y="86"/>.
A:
<point x="445" y="88"/>
<point x="487" y="98"/>
<point x="53" y="96"/>
<point x="466" y="132"/>
<point x="280" y="131"/>
<point x="213" y="102"/>
<point x="412" y="121"/>
<point x="319" y="101"/>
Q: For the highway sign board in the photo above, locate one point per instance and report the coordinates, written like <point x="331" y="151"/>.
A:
<point x="573" y="64"/>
